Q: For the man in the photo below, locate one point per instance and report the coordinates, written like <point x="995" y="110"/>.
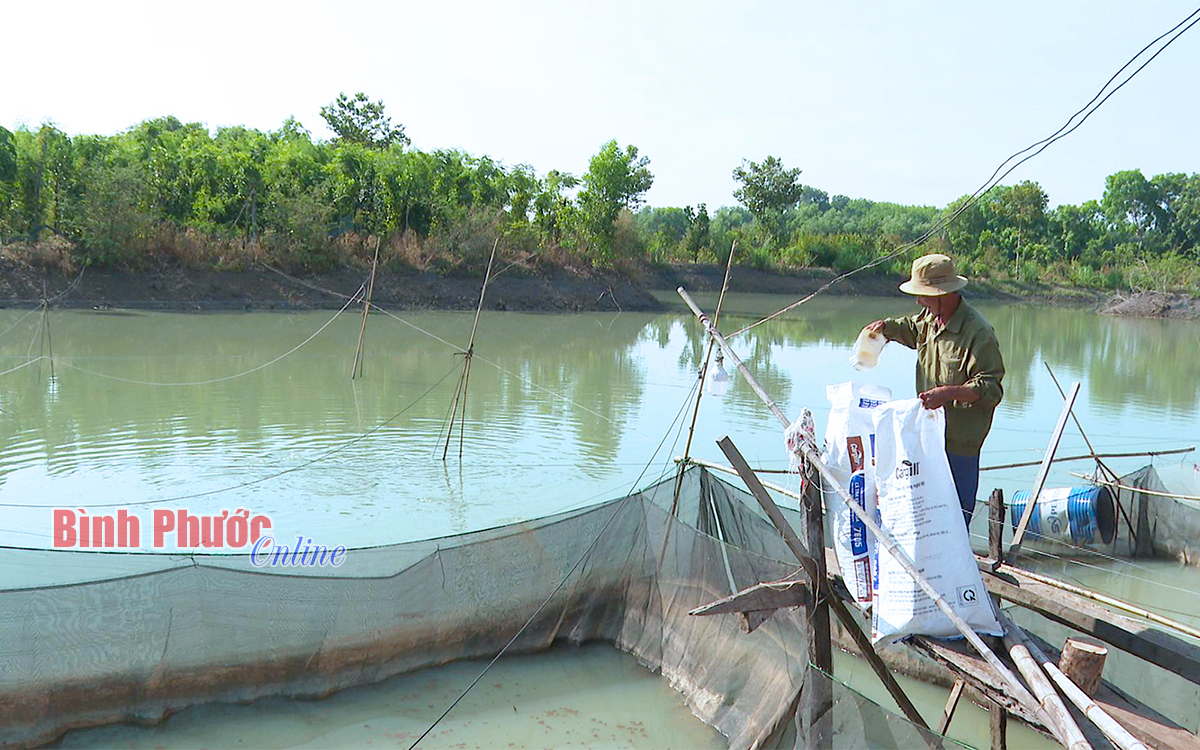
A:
<point x="958" y="365"/>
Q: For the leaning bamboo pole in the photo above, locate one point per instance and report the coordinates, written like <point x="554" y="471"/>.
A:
<point x="889" y="543"/>
<point x="356" y="367"/>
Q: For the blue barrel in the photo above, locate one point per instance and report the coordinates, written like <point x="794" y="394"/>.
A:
<point x="1076" y="515"/>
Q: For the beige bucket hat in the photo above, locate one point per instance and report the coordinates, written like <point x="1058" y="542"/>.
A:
<point x="932" y="276"/>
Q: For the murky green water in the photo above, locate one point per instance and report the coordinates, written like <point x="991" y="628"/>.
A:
<point x="562" y="410"/>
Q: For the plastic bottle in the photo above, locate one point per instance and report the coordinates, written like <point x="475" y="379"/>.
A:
<point x="866" y="350"/>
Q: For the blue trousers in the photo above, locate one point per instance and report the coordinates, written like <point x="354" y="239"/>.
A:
<point x="965" y="470"/>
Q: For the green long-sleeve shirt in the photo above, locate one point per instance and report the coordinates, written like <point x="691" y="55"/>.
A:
<point x="964" y="352"/>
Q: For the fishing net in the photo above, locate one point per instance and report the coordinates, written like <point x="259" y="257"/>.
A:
<point x="90" y="638"/>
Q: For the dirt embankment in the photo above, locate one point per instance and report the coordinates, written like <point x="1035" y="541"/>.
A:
<point x="1153" y="305"/>
<point x="173" y="286"/>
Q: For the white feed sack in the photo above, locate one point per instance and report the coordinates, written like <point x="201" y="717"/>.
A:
<point x="918" y="506"/>
<point x="849" y="453"/>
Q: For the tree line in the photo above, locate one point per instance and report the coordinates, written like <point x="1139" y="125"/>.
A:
<point x="164" y="188"/>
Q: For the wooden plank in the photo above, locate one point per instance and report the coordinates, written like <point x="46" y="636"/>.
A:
<point x="773" y="595"/>
<point x="1051" y="447"/>
<point x="1090" y="618"/>
<point x="951" y="706"/>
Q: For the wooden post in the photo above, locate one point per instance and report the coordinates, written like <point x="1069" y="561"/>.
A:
<point x="817" y="694"/>
<point x="1083" y="663"/>
<point x="996" y="527"/>
<point x="998" y="723"/>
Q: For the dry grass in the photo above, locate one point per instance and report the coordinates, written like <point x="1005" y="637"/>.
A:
<point x="53" y="253"/>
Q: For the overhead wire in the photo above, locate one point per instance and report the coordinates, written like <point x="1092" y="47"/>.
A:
<point x="999" y="175"/>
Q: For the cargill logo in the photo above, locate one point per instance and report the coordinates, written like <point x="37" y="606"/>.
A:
<point x="908" y="469"/>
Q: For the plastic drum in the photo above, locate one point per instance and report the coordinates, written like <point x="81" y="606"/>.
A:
<point x="1077" y="515"/>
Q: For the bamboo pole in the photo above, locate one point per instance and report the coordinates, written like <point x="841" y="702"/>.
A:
<point x="1111" y="602"/>
<point x="889" y="543"/>
<point x="1069" y="733"/>
<point x="1119" y="486"/>
<point x="356" y="368"/>
<point x="687" y="448"/>
<point x="1061" y="459"/>
<point x="464" y="379"/>
<point x="1112" y="475"/>
<point x="46" y="328"/>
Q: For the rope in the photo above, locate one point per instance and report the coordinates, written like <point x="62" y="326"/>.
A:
<point x="263" y="366"/>
<point x="260" y="480"/>
<point x="20" y="320"/>
<point x="997" y="175"/>
<point x="586" y="553"/>
<point x="35" y="360"/>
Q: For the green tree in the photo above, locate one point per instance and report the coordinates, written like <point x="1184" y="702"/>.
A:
<point x="616" y="180"/>
<point x="768" y="189"/>
<point x="359" y="120"/>
<point x="1130" y="200"/>
<point x="8" y="178"/>
<point x="1024" y="207"/>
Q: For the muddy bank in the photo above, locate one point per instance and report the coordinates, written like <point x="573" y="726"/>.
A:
<point x="1153" y="305"/>
<point x="173" y="286"/>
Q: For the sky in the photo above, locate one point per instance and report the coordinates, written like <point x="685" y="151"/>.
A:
<point x="913" y="102"/>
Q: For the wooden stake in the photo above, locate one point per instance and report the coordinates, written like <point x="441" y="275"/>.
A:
<point x="46" y="320"/>
<point x="951" y="706"/>
<point x="1051" y="447"/>
<point x="356" y="368"/>
<point x="998" y="724"/>
<point x="470" y="352"/>
<point x="996" y="527"/>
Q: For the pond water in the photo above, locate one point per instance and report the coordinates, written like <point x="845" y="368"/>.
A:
<point x="204" y="412"/>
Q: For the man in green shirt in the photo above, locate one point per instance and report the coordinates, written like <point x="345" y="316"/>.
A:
<point x="958" y="364"/>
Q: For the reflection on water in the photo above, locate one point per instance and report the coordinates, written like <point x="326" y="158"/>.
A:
<point x="562" y="410"/>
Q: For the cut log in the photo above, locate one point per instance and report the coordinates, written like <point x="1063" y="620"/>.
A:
<point x="1083" y="663"/>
